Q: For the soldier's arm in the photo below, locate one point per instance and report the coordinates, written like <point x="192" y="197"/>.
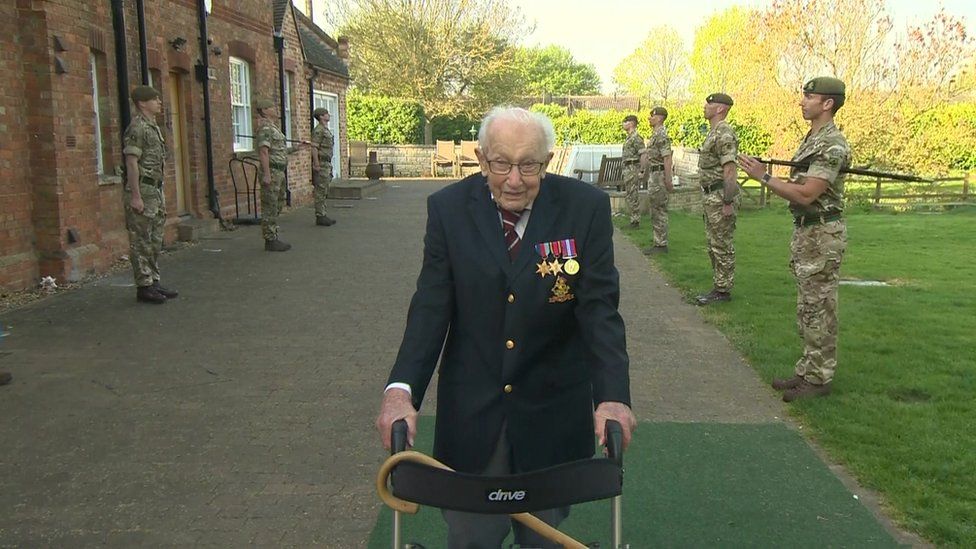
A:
<point x="132" y="176"/>
<point x="804" y="193"/>
<point x="668" y="177"/>
<point x="731" y="186"/>
<point x="264" y="153"/>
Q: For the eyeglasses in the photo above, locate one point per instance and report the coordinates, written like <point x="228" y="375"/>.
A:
<point x="500" y="167"/>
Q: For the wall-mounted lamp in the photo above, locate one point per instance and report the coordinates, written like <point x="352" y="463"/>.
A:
<point x="178" y="43"/>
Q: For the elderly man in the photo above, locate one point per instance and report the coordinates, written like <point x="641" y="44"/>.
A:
<point x="518" y="276"/>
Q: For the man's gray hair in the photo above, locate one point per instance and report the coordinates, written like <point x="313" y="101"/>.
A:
<point x="517" y="114"/>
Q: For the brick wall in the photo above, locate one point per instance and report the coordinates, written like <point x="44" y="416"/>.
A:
<point x="58" y="214"/>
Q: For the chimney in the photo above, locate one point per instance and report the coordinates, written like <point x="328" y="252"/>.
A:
<point x="343" y="48"/>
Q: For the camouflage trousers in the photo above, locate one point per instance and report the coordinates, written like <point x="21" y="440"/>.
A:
<point x="658" y="196"/>
<point x="321" y="180"/>
<point x="272" y="200"/>
<point x="816" y="253"/>
<point x="631" y="187"/>
<point x="145" y="233"/>
<point x="719" y="230"/>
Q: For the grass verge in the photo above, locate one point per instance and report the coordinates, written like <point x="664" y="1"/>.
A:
<point x="903" y="408"/>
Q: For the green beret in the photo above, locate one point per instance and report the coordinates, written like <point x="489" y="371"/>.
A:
<point x="144" y="93"/>
<point x="719" y="98"/>
<point x="659" y="110"/>
<point x="631" y="118"/>
<point x="825" y="85"/>
<point x="262" y="103"/>
<point x="320" y="111"/>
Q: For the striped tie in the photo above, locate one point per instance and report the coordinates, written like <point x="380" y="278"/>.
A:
<point x="512" y="240"/>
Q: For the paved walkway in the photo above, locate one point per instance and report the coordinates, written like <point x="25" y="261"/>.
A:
<point x="242" y="412"/>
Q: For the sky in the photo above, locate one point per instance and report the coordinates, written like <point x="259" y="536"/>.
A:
<point x="603" y="32"/>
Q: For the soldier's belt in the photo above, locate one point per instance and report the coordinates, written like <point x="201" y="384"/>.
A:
<point x="816" y="219"/>
<point x="655" y="168"/>
<point x="277" y="166"/>
<point x="629" y="162"/>
<point x="146" y="180"/>
<point x="713" y="187"/>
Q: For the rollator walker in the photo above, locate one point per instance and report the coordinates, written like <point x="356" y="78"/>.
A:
<point x="417" y="479"/>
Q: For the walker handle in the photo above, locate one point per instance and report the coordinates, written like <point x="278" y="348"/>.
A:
<point x="615" y="441"/>
<point x="398" y="436"/>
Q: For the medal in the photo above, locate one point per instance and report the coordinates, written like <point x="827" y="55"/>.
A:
<point x="555" y="267"/>
<point x="542" y="269"/>
<point x="571" y="267"/>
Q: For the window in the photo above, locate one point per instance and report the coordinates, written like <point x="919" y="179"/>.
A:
<point x="287" y="105"/>
<point x="101" y="119"/>
<point x="240" y="100"/>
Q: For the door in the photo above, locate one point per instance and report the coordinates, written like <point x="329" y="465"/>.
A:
<point x="331" y="103"/>
<point x="181" y="163"/>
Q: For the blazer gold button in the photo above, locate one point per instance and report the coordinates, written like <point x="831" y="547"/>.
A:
<point x="508" y="388"/>
<point x="509" y="344"/>
<point x="511" y="298"/>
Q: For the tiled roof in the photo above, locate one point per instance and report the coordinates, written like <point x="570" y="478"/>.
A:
<point x="320" y="48"/>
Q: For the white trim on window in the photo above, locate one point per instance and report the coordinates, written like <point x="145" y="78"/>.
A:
<point x="287" y="105"/>
<point x="99" y="159"/>
<point x="240" y="101"/>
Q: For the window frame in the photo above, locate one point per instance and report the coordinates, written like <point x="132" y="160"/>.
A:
<point x="240" y="106"/>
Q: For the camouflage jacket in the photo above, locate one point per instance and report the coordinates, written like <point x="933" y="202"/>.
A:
<point x="143" y="140"/>
<point x="271" y="137"/>
<point x="721" y="146"/>
<point x="823" y="155"/>
<point x="323" y="140"/>
<point x="658" y="146"/>
<point x="633" y="147"/>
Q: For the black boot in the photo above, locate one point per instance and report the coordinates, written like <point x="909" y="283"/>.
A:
<point x="712" y="297"/>
<point x="148" y="294"/>
<point x="324" y="220"/>
<point x="168" y="294"/>
<point x="276" y="246"/>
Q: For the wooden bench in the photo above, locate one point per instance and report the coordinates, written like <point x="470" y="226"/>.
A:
<point x="610" y="175"/>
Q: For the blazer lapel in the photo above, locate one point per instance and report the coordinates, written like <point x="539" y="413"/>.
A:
<point x="485" y="216"/>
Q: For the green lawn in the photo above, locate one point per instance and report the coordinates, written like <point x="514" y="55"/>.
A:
<point x="902" y="417"/>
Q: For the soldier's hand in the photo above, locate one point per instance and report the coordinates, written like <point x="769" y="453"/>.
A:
<point x="137" y="204"/>
<point x="727" y="210"/>
<point x="316" y="168"/>
<point x="266" y="180"/>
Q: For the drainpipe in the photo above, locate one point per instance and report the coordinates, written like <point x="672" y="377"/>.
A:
<point x="143" y="48"/>
<point x="203" y="74"/>
<point x="311" y="96"/>
<point x="279" y="45"/>
<point x="121" y="69"/>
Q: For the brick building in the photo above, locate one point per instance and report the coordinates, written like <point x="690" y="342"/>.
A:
<point x="66" y="67"/>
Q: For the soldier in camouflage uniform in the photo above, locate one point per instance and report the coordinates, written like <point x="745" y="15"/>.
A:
<point x="815" y="190"/>
<point x="273" y="154"/>
<point x="633" y="147"/>
<point x="145" y="206"/>
<point x="720" y="196"/>
<point x="658" y="165"/>
<point x="322" y="146"/>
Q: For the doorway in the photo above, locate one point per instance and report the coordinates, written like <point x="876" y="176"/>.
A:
<point x="181" y="161"/>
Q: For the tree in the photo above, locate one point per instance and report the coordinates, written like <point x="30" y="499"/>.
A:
<point x="553" y="70"/>
<point x="851" y="40"/>
<point x="933" y="60"/>
<point x="657" y="69"/>
<point x="451" y="56"/>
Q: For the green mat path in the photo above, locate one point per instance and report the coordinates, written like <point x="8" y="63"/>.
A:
<point x="704" y="485"/>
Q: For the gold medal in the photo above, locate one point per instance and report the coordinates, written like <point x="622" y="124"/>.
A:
<point x="555" y="267"/>
<point x="571" y="266"/>
<point x="542" y="269"/>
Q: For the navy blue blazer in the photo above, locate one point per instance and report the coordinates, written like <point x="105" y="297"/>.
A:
<point x="566" y="355"/>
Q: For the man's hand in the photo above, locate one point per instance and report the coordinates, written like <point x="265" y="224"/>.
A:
<point x="316" y="168"/>
<point x="617" y="411"/>
<point x="266" y="180"/>
<point x="753" y="168"/>
<point x="396" y="405"/>
<point x="727" y="210"/>
<point x="137" y="204"/>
